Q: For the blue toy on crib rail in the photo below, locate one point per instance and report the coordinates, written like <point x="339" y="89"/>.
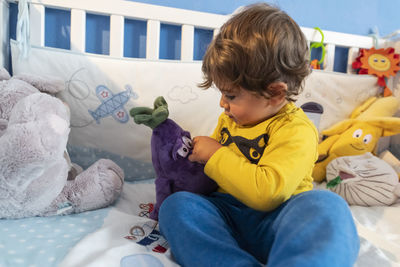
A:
<point x="112" y="104"/>
<point x="170" y="147"/>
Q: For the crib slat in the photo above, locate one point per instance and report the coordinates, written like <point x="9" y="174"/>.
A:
<point x="352" y="55"/>
<point x="153" y="39"/>
<point x="78" y="29"/>
<point x="141" y="11"/>
<point x="187" y="43"/>
<point x="215" y="32"/>
<point x="36" y="21"/>
<point x="117" y="35"/>
<point x="329" y="57"/>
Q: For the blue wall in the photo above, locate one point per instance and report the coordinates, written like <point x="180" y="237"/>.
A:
<point x="349" y="16"/>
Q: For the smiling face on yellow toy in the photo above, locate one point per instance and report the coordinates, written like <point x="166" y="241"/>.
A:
<point x="359" y="134"/>
<point x="379" y="62"/>
<point x="350" y="138"/>
<point x="357" y="140"/>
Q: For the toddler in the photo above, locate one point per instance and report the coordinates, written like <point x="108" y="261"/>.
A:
<point x="261" y="155"/>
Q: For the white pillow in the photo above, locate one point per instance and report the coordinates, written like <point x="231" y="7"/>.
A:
<point x="338" y="94"/>
<point x="121" y="139"/>
<point x="193" y="109"/>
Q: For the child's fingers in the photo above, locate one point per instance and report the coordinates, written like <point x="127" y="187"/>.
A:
<point x="192" y="158"/>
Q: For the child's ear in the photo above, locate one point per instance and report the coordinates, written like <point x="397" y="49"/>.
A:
<point x="278" y="92"/>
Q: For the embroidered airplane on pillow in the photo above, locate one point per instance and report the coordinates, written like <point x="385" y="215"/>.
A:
<point x="112" y="104"/>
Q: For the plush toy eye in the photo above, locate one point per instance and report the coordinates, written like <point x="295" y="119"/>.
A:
<point x="183" y="151"/>
<point x="357" y="133"/>
<point x="367" y="138"/>
<point x="187" y="141"/>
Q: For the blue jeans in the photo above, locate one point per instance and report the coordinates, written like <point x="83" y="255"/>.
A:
<point x="314" y="228"/>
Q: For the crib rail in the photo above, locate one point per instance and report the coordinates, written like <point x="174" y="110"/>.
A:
<point x="154" y="15"/>
<point x="118" y="11"/>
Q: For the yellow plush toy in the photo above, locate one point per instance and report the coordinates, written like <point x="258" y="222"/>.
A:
<point x="359" y="134"/>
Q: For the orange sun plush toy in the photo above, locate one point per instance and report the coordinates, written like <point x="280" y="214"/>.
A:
<point x="382" y="63"/>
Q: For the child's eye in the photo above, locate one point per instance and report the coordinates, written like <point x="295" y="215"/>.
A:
<point x="230" y="97"/>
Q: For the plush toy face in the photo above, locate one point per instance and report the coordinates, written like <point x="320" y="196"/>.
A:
<point x="183" y="146"/>
<point x="357" y="140"/>
<point x="170" y="146"/>
<point x="380" y="62"/>
<point x="363" y="180"/>
<point x="169" y="143"/>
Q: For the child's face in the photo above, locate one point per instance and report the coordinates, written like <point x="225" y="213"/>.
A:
<point x="246" y="108"/>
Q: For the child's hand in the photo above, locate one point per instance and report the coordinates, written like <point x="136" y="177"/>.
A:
<point x="203" y="148"/>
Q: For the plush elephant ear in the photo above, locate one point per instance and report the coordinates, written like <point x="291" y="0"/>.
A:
<point x="4" y="75"/>
<point x="151" y="117"/>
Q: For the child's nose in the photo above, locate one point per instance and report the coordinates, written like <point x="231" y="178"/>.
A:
<point x="223" y="104"/>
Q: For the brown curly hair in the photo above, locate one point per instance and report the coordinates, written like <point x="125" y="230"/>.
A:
<point x="256" y="47"/>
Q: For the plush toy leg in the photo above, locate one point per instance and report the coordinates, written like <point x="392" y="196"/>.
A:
<point x="74" y="171"/>
<point x="97" y="187"/>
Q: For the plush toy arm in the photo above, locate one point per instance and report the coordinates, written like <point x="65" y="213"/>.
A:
<point x="377" y="107"/>
<point x="324" y="157"/>
<point x="325" y="145"/>
<point x="4" y="75"/>
<point x="357" y="111"/>
<point x="389" y="125"/>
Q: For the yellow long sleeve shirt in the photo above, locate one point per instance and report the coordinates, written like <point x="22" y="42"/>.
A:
<point x="264" y="165"/>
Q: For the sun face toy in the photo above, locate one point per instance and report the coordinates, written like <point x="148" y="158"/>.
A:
<point x="382" y="63"/>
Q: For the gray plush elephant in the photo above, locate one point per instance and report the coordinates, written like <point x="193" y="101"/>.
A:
<point x="36" y="176"/>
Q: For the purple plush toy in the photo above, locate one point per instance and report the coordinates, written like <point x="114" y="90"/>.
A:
<point x="170" y="146"/>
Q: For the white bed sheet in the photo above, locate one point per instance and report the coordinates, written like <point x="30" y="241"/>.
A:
<point x="378" y="228"/>
<point x="106" y="243"/>
<point x="108" y="246"/>
<point x="379" y="231"/>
